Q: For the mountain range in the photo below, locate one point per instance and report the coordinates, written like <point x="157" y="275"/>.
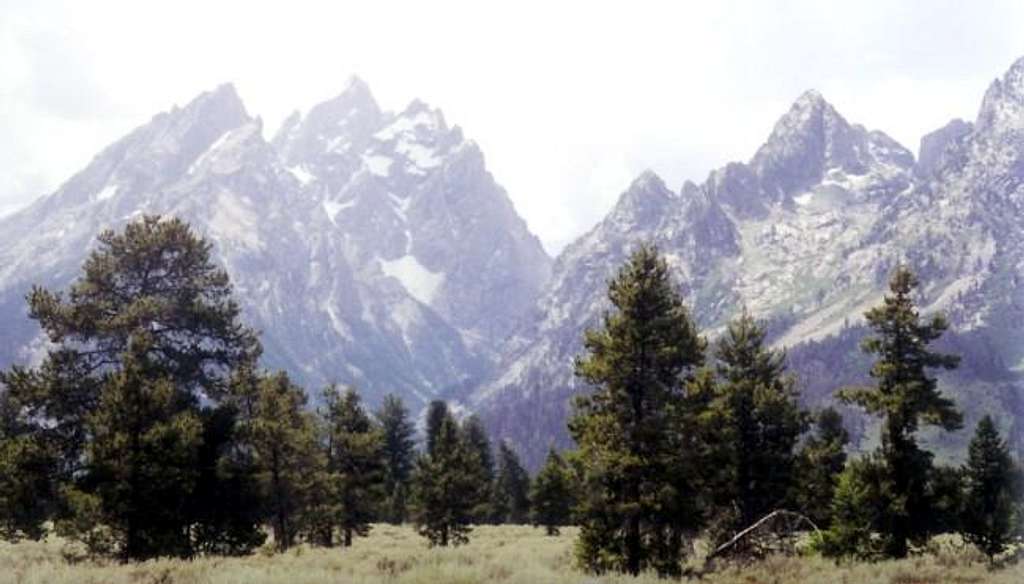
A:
<point x="374" y="248"/>
<point x="369" y="248"/>
<point x="804" y="236"/>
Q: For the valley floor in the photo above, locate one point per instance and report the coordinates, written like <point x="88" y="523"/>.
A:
<point x="515" y="555"/>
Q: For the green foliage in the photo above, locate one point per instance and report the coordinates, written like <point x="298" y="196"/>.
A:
<point x="755" y="421"/>
<point x="355" y="463"/>
<point x="26" y="488"/>
<point x="905" y="396"/>
<point x="446" y="492"/>
<point x="860" y="510"/>
<point x="437" y="412"/>
<point x="991" y="513"/>
<point x="551" y="496"/>
<point x="225" y="508"/>
<point x="281" y="439"/>
<point x="819" y="464"/>
<point x="142" y="459"/>
<point x="114" y="412"/>
<point x="399" y="457"/>
<point x="511" y="493"/>
<point x="84" y="523"/>
<point x="945" y="496"/>
<point x="475" y="436"/>
<point x="632" y="430"/>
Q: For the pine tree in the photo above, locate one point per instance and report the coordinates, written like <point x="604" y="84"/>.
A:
<point x="26" y="466"/>
<point x="445" y="491"/>
<point x="904" y="396"/>
<point x="399" y="456"/>
<point x="142" y="459"/>
<point x="475" y="435"/>
<point x="511" y="493"/>
<point x="862" y="502"/>
<point x="154" y="286"/>
<point x="634" y="515"/>
<point x="551" y="497"/>
<point x="821" y="461"/>
<point x="224" y="511"/>
<point x="437" y="412"/>
<point x="355" y="463"/>
<point x="991" y="515"/>
<point x="757" y="422"/>
<point x="282" y="440"/>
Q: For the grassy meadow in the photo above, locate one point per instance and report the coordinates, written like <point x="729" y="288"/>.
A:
<point x="515" y="555"/>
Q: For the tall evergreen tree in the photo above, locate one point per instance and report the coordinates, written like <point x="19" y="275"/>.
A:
<point x="511" y="493"/>
<point x="142" y="460"/>
<point x="225" y="509"/>
<point x="27" y="492"/>
<point x="905" y="396"/>
<point x="355" y="463"/>
<point x="475" y="435"/>
<point x="147" y="330"/>
<point x="992" y="513"/>
<point x="281" y="438"/>
<point x="437" y="412"/>
<point x="445" y="491"/>
<point x="399" y="456"/>
<point x="551" y="496"/>
<point x="635" y="514"/>
<point x="821" y="461"/>
<point x="757" y="422"/>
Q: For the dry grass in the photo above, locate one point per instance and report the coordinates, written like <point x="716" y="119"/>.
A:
<point x="513" y="555"/>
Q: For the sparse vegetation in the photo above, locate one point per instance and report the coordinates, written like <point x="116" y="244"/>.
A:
<point x="504" y="554"/>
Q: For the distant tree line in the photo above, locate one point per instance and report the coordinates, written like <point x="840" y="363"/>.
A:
<point x="149" y="430"/>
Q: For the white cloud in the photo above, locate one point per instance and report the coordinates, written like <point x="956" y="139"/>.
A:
<point x="568" y="100"/>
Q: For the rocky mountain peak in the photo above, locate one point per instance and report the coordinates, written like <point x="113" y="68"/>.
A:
<point x="807" y="141"/>
<point x="1002" y="108"/>
<point x="933" y="152"/>
<point x="813" y="141"/>
<point x="332" y="131"/>
<point x="646" y="190"/>
<point x="809" y="114"/>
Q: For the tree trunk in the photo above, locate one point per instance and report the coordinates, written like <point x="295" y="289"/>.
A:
<point x="633" y="546"/>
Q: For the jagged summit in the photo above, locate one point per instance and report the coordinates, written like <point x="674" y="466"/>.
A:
<point x="371" y="248"/>
<point x="1002" y="108"/>
<point x="646" y="198"/>
<point x="812" y="141"/>
<point x="802" y="236"/>
<point x="220" y="106"/>
<point x="808" y="139"/>
<point x="937" y="146"/>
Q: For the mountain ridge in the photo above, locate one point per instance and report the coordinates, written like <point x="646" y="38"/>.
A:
<point x="804" y="236"/>
<point x="349" y="236"/>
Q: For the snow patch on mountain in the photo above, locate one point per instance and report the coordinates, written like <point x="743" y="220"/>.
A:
<point x="108" y="192"/>
<point x="420" y="282"/>
<point x="378" y="165"/>
<point x="301" y="174"/>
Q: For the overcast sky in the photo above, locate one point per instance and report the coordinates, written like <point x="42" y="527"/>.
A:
<point x="568" y="100"/>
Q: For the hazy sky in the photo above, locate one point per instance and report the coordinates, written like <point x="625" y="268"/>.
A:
<point x="568" y="100"/>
